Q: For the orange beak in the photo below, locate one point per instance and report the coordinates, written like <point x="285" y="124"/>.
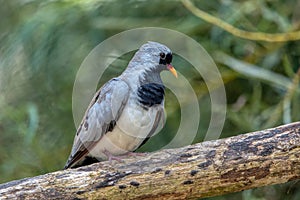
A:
<point x="172" y="70"/>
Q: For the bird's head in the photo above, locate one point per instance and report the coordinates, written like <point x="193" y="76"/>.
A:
<point x="152" y="58"/>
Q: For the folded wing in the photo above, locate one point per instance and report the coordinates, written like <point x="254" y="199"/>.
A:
<point x="100" y="117"/>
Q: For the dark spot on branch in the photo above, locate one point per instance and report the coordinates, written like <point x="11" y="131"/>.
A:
<point x="167" y="172"/>
<point x="190" y="148"/>
<point x="134" y="183"/>
<point x="205" y="164"/>
<point x="186" y="155"/>
<point x="122" y="186"/>
<point x="156" y="170"/>
<point x="237" y="149"/>
<point x="65" y="175"/>
<point x="104" y="183"/>
<point x="242" y="147"/>
<point x="262" y="136"/>
<point x="211" y="154"/>
<point x="111" y="179"/>
<point x="187" y="182"/>
<point x="267" y="149"/>
<point x="277" y="131"/>
<point x="116" y="175"/>
<point x="86" y="168"/>
<point x="80" y="192"/>
<point x="194" y="172"/>
<point x="109" y="175"/>
<point x="284" y="136"/>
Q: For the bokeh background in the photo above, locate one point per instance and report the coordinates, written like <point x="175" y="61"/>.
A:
<point x="43" y="43"/>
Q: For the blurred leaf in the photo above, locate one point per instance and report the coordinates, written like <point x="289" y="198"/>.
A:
<point x="253" y="71"/>
<point x="33" y="123"/>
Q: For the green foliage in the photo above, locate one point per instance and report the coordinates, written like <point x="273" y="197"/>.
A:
<point x="43" y="44"/>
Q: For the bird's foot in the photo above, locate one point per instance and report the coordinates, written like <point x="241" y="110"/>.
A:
<point x="112" y="157"/>
<point x="120" y="158"/>
<point x="136" y="154"/>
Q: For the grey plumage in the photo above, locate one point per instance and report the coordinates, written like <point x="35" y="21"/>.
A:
<point x="126" y="110"/>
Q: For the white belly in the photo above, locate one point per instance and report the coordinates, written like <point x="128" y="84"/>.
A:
<point x="132" y="128"/>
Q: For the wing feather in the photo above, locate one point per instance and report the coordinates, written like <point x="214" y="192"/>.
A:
<point x="105" y="108"/>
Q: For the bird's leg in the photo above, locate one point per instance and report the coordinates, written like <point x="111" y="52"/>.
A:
<point x="126" y="155"/>
<point x="112" y="157"/>
<point x="136" y="154"/>
<point x="120" y="157"/>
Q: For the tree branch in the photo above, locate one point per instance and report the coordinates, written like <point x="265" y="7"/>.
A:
<point x="267" y="37"/>
<point x="206" y="169"/>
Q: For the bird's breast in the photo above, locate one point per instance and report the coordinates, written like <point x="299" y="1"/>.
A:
<point x="137" y="121"/>
<point x="132" y="128"/>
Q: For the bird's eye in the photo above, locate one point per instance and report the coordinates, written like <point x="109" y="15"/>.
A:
<point x="162" y="55"/>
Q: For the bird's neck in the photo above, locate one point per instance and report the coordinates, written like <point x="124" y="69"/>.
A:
<point x="151" y="77"/>
<point x="142" y="77"/>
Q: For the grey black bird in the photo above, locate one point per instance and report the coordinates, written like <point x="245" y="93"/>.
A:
<point x="125" y="111"/>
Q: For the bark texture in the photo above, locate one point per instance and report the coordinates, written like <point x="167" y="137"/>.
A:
<point x="205" y="169"/>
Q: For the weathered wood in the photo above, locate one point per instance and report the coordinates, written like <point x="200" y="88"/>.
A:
<point x="206" y="169"/>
